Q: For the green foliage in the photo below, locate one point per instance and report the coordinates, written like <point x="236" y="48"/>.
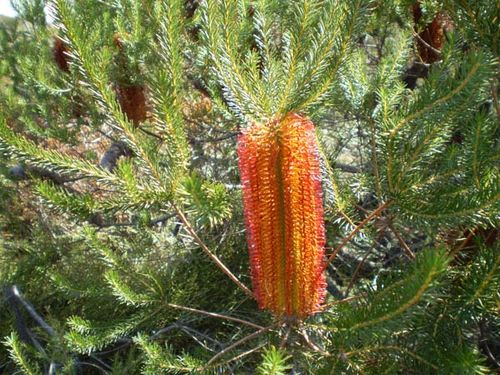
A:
<point x="416" y="148"/>
<point x="18" y="354"/>
<point x="127" y="265"/>
<point x="292" y="73"/>
<point x="208" y="203"/>
<point x="161" y="360"/>
<point x="274" y="362"/>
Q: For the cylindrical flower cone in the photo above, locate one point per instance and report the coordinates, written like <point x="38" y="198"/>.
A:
<point x="132" y="101"/>
<point x="280" y="173"/>
<point x="59" y="51"/>
<point x="432" y="38"/>
<point x="131" y="96"/>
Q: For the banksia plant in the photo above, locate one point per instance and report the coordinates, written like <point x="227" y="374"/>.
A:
<point x="431" y="39"/>
<point x="280" y="173"/>
<point x="59" y="51"/>
<point x="130" y="94"/>
<point x="348" y="181"/>
<point x="278" y="151"/>
<point x="132" y="101"/>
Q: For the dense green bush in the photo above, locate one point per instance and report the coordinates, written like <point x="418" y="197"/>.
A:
<point x="120" y="205"/>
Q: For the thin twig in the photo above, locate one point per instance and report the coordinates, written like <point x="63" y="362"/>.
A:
<point x="119" y="347"/>
<point x="211" y="255"/>
<point x="218" y="139"/>
<point x="374" y="214"/>
<point x="91" y="364"/>
<point x="191" y="332"/>
<point x="340" y="301"/>
<point x="182" y="325"/>
<point x="238" y="343"/>
<point x="16" y="294"/>
<point x="215" y="315"/>
<point x="111" y="138"/>
<point x="464" y="243"/>
<point x="244" y="354"/>
<point x="415" y="34"/>
<point x="356" y="271"/>
<point x="402" y="242"/>
<point x="145" y="131"/>
<point x="312" y="345"/>
<point x="152" y="223"/>
<point x="285" y="337"/>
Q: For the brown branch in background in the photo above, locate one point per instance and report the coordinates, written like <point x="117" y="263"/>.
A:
<point x="374" y="214"/>
<point x="356" y="271"/>
<point x="487" y="236"/>
<point x="346" y="167"/>
<point x="191" y="332"/>
<point x="218" y="139"/>
<point x="211" y="255"/>
<point x="311" y="344"/>
<point x="464" y="243"/>
<point x="416" y="71"/>
<point x="151" y="223"/>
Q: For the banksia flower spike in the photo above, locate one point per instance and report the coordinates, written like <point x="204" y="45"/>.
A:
<point x="280" y="172"/>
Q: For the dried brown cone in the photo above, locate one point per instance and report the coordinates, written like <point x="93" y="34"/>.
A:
<point x="131" y="96"/>
<point x="118" y="41"/>
<point x="132" y="99"/>
<point x="59" y="51"/>
<point x="431" y="39"/>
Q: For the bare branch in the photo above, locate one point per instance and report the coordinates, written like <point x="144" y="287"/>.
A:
<point x="215" y="315"/>
<point x="211" y="255"/>
<point x="374" y="214"/>
<point x="238" y="343"/>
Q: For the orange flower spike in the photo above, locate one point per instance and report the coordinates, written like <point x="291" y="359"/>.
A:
<point x="282" y="198"/>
